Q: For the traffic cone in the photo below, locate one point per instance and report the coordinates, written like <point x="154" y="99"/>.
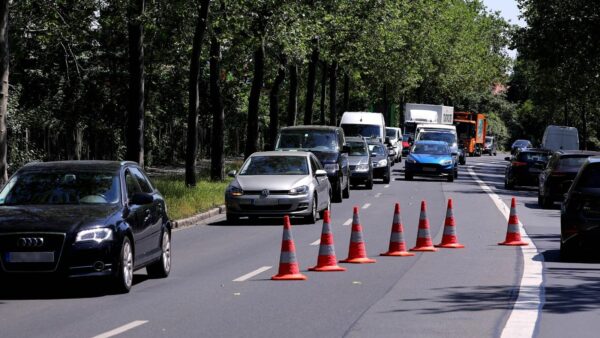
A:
<point x="326" y="260"/>
<point x="288" y="266"/>
<point x="423" y="238"/>
<point x="357" y="253"/>
<point x="397" y="245"/>
<point x="449" y="240"/>
<point x="513" y="233"/>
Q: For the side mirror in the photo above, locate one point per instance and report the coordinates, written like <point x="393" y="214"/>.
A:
<point x="232" y="173"/>
<point x="320" y="173"/>
<point x="507" y="158"/>
<point x="140" y="198"/>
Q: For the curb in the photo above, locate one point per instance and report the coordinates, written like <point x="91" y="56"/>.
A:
<point x="186" y="222"/>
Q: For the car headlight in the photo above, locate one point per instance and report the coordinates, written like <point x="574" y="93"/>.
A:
<point x="97" y="235"/>
<point x="235" y="191"/>
<point x="362" y="167"/>
<point x="382" y="163"/>
<point x="410" y="160"/>
<point x="446" y="162"/>
<point x="301" y="190"/>
<point x="332" y="167"/>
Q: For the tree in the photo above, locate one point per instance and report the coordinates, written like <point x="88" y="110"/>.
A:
<point x="217" y="158"/>
<point x="4" y="64"/>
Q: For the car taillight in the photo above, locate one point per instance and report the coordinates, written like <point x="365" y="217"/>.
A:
<point x="519" y="164"/>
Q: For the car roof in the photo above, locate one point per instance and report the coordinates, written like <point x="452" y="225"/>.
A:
<point x="282" y="153"/>
<point x="521" y="141"/>
<point x="431" y="142"/>
<point x="77" y="165"/>
<point x="311" y="127"/>
<point x="354" y="139"/>
<point x="577" y="152"/>
<point x="535" y="150"/>
<point x="593" y="159"/>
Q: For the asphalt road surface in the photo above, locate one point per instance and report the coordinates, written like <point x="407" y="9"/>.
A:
<point x="220" y="282"/>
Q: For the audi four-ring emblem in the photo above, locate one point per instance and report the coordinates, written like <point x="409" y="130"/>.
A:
<point x="30" y="242"/>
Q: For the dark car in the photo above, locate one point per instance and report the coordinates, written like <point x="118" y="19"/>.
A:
<point x="525" y="167"/>
<point x="380" y="161"/>
<point x="83" y="219"/>
<point x="361" y="170"/>
<point x="520" y="144"/>
<point x="562" y="167"/>
<point x="580" y="212"/>
<point x="327" y="143"/>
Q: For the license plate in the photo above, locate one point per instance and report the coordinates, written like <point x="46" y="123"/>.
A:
<point x="429" y="169"/>
<point x="265" y="201"/>
<point x="30" y="257"/>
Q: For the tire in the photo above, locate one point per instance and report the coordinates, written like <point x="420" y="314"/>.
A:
<point x="123" y="278"/>
<point x="491" y="154"/>
<point x="495" y="154"/>
<point x="544" y="202"/>
<point x="369" y="184"/>
<point x="162" y="267"/>
<point x="408" y="177"/>
<point x="456" y="174"/>
<point x="508" y="185"/>
<point x="322" y="212"/>
<point x="337" y="193"/>
<point x="232" y="219"/>
<point x="314" y="215"/>
<point x="462" y="160"/>
<point x="451" y="178"/>
<point x="346" y="191"/>
<point x="568" y="252"/>
<point x="387" y="178"/>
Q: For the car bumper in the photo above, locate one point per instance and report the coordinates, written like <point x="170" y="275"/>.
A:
<point x="418" y="169"/>
<point x="273" y="205"/>
<point x="359" y="176"/>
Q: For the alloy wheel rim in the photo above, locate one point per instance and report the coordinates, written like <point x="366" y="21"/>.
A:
<point x="127" y="264"/>
<point x="166" y="252"/>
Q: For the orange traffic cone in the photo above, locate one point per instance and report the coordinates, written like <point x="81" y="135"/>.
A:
<point x="288" y="266"/>
<point x="397" y="245"/>
<point x="326" y="260"/>
<point x="423" y="238"/>
<point x="513" y="233"/>
<point x="357" y="253"/>
<point x="449" y="240"/>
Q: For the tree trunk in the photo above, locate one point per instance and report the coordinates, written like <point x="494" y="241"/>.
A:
<point x="4" y="66"/>
<point x="191" y="150"/>
<point x="216" y="153"/>
<point x="292" y="108"/>
<point x="386" y="106"/>
<point x="274" y="104"/>
<point x="333" y="94"/>
<point x="310" y="85"/>
<point x="135" y="118"/>
<point x="254" y="100"/>
<point x="346" y="104"/>
<point x="77" y="134"/>
<point x="323" y="90"/>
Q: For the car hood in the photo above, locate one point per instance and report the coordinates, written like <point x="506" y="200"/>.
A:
<point x="60" y="218"/>
<point x="326" y="157"/>
<point x="271" y="182"/>
<point x="356" y="160"/>
<point x="430" y="158"/>
<point x="376" y="158"/>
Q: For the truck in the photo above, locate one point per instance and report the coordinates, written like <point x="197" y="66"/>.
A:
<point x="417" y="113"/>
<point x="471" y="129"/>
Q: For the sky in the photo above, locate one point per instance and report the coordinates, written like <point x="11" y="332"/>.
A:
<point x="509" y="11"/>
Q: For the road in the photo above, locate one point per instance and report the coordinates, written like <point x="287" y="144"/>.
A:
<point x="467" y="292"/>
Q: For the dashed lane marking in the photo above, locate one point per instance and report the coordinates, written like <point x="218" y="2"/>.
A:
<point x="317" y="242"/>
<point x="377" y="195"/>
<point x="348" y="222"/>
<point x="121" y="329"/>
<point x="386" y="186"/>
<point x="252" y="274"/>
<point x="366" y="206"/>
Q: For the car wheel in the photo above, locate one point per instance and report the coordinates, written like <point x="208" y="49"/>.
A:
<point x="495" y="154"/>
<point x="508" y="184"/>
<point x="327" y="208"/>
<point x="455" y="173"/>
<point x="546" y="202"/>
<point x="337" y="192"/>
<point x="462" y="160"/>
<point x="312" y="218"/>
<point x="568" y="251"/>
<point x="162" y="267"/>
<point x="408" y="177"/>
<point x="346" y="192"/>
<point x="387" y="177"/>
<point x="369" y="184"/>
<point x="123" y="278"/>
<point x="232" y="219"/>
<point x="451" y="178"/>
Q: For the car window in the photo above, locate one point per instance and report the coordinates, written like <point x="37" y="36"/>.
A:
<point x="432" y="149"/>
<point x="590" y="178"/>
<point x="142" y="181"/>
<point x="313" y="165"/>
<point x="449" y="138"/>
<point x="275" y="165"/>
<point x="323" y="140"/>
<point x="131" y="184"/>
<point x="572" y="161"/>
<point x="376" y="149"/>
<point x="357" y="149"/>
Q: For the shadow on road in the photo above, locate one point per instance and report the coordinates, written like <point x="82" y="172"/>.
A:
<point x="266" y="221"/>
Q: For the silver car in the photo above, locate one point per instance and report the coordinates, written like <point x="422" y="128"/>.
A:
<point x="276" y="183"/>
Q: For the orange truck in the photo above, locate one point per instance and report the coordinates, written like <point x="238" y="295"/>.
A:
<point x="471" y="129"/>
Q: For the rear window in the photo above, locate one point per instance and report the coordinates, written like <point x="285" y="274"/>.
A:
<point x="533" y="157"/>
<point x="572" y="162"/>
<point x="313" y="140"/>
<point x="590" y="178"/>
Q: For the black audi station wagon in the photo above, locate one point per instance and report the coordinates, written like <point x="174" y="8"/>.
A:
<point x="83" y="219"/>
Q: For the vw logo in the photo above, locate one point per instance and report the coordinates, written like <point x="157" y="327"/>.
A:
<point x="264" y="193"/>
<point x="30" y="242"/>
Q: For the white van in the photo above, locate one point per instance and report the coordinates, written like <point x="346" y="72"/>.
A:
<point x="445" y="128"/>
<point x="560" y="138"/>
<point x="365" y="124"/>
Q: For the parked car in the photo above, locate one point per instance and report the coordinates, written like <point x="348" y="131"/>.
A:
<point x="83" y="219"/>
<point x="580" y="212"/>
<point x="525" y="167"/>
<point x="520" y="144"/>
<point x="361" y="171"/>
<point x="430" y="158"/>
<point x="277" y="183"/>
<point x="560" y="138"/>
<point x="327" y="144"/>
<point x="380" y="161"/>
<point x="394" y="136"/>
<point x="562" y="167"/>
<point x="490" y="146"/>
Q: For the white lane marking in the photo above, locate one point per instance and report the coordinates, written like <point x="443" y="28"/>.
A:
<point x="386" y="186"/>
<point x="377" y="195"/>
<point x="366" y="206"/>
<point x="528" y="306"/>
<point x="122" y="329"/>
<point x="348" y="222"/>
<point x="252" y="274"/>
<point x="317" y="242"/>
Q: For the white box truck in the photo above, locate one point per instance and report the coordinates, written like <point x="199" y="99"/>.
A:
<point x="416" y="113"/>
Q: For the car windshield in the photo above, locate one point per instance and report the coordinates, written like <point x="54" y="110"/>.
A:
<point x="308" y="139"/>
<point x="364" y="130"/>
<point x="376" y="149"/>
<point x="572" y="161"/>
<point x="449" y="138"/>
<point x="533" y="157"/>
<point x="405" y="137"/>
<point x="391" y="133"/>
<point x="520" y="143"/>
<point x="357" y="149"/>
<point x="61" y="187"/>
<point x="275" y="165"/>
<point x="431" y="149"/>
<point x="488" y="139"/>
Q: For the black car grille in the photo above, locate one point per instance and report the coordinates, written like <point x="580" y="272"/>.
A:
<point x="279" y="207"/>
<point x="352" y="167"/>
<point x="271" y="192"/>
<point x="31" y="252"/>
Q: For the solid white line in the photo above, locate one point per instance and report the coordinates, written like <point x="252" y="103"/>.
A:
<point x="121" y="329"/>
<point x="377" y="195"/>
<point x="348" y="221"/>
<point x="317" y="242"/>
<point x="386" y="186"/>
<point x="366" y="206"/>
<point x="528" y="306"/>
<point x="252" y="274"/>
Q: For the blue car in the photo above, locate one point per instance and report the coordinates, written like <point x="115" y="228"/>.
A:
<point x="430" y="158"/>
